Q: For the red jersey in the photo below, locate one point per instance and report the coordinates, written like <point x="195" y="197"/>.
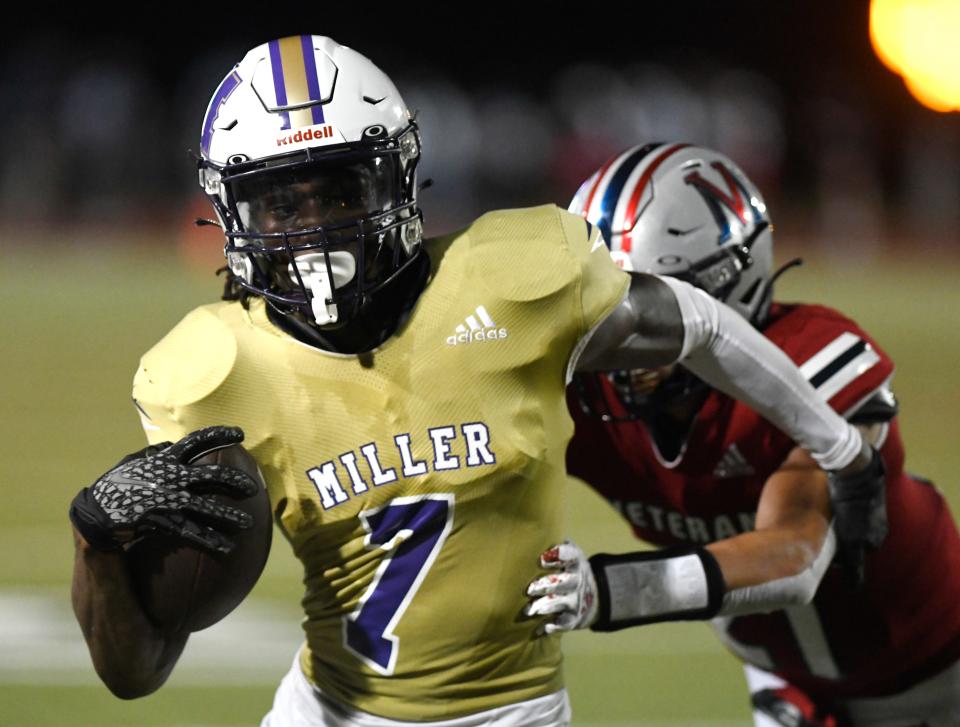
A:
<point x="902" y="627"/>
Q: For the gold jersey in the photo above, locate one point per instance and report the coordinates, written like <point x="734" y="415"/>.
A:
<point x="417" y="484"/>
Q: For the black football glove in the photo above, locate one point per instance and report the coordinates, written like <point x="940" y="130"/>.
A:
<point x="158" y="490"/>
<point x="860" y="515"/>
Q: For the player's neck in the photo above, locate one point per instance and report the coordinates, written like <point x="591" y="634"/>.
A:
<point x="671" y="422"/>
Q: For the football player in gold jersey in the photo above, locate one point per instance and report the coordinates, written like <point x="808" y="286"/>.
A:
<point x="404" y="399"/>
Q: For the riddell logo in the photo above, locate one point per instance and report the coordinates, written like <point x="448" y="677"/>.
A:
<point x="479" y="327"/>
<point x="313" y="133"/>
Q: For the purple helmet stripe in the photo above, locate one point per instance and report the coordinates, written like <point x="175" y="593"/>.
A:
<point x="313" y="83"/>
<point x="279" y="86"/>
<point x="219" y="98"/>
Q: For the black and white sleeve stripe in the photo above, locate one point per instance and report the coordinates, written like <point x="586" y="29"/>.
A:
<point x="839" y="363"/>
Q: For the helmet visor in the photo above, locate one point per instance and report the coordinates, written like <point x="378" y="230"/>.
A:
<point x="334" y="195"/>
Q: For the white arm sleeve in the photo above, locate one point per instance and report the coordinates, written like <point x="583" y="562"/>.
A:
<point x="794" y="590"/>
<point x="726" y="352"/>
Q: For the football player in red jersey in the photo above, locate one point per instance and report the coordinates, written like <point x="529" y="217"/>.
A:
<point x="745" y="518"/>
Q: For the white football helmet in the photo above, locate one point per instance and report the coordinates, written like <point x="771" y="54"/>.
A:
<point x="688" y="212"/>
<point x="309" y="156"/>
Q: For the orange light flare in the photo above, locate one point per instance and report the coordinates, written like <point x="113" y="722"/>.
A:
<point x="918" y="39"/>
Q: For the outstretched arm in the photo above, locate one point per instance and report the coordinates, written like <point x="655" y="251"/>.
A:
<point x="782" y="561"/>
<point x="777" y="565"/>
<point x="662" y="320"/>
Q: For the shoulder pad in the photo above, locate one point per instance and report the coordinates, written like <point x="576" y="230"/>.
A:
<point x="577" y="230"/>
<point x="519" y="254"/>
<point x="530" y="223"/>
<point x="189" y="363"/>
<point x="834" y="354"/>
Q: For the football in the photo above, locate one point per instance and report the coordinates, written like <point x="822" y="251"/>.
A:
<point x="184" y="587"/>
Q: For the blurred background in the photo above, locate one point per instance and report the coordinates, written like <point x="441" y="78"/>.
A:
<point x="99" y="257"/>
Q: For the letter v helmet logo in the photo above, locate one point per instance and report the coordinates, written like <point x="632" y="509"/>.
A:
<point x="736" y="199"/>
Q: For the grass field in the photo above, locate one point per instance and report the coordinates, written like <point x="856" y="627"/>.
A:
<point x="74" y="327"/>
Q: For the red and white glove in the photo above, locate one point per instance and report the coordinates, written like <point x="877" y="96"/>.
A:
<point x="611" y="592"/>
<point x="568" y="596"/>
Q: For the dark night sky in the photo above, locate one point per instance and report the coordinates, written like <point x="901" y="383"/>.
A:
<point x="810" y="50"/>
<point x="791" y="41"/>
<point x="803" y="47"/>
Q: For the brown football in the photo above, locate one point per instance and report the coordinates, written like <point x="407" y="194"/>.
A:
<point x="185" y="587"/>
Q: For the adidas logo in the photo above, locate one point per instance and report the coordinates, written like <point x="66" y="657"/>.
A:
<point x="732" y="464"/>
<point x="478" y="327"/>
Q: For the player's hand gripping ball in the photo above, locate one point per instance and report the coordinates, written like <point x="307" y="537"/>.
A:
<point x="568" y="596"/>
<point x="162" y="489"/>
<point x="193" y="519"/>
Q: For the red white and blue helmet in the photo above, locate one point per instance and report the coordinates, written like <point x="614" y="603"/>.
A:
<point x="309" y="156"/>
<point x="689" y="212"/>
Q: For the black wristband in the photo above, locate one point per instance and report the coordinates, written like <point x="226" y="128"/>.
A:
<point x="861" y="485"/>
<point x="89" y="520"/>
<point x="667" y="610"/>
<point x="860" y="509"/>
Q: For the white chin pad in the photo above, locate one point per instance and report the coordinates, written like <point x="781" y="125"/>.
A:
<point x="313" y="270"/>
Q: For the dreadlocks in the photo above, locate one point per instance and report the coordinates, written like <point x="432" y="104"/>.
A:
<point x="232" y="290"/>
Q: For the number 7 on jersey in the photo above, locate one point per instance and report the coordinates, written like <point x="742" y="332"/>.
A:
<point x="412" y="530"/>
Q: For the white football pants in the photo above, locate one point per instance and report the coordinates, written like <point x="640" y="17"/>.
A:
<point x="298" y="703"/>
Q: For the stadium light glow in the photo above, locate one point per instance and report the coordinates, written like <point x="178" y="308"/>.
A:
<point x="918" y="40"/>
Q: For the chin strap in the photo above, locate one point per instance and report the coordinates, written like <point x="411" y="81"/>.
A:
<point x="372" y="325"/>
<point x="759" y="317"/>
<point x="323" y="311"/>
<point x="311" y="272"/>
